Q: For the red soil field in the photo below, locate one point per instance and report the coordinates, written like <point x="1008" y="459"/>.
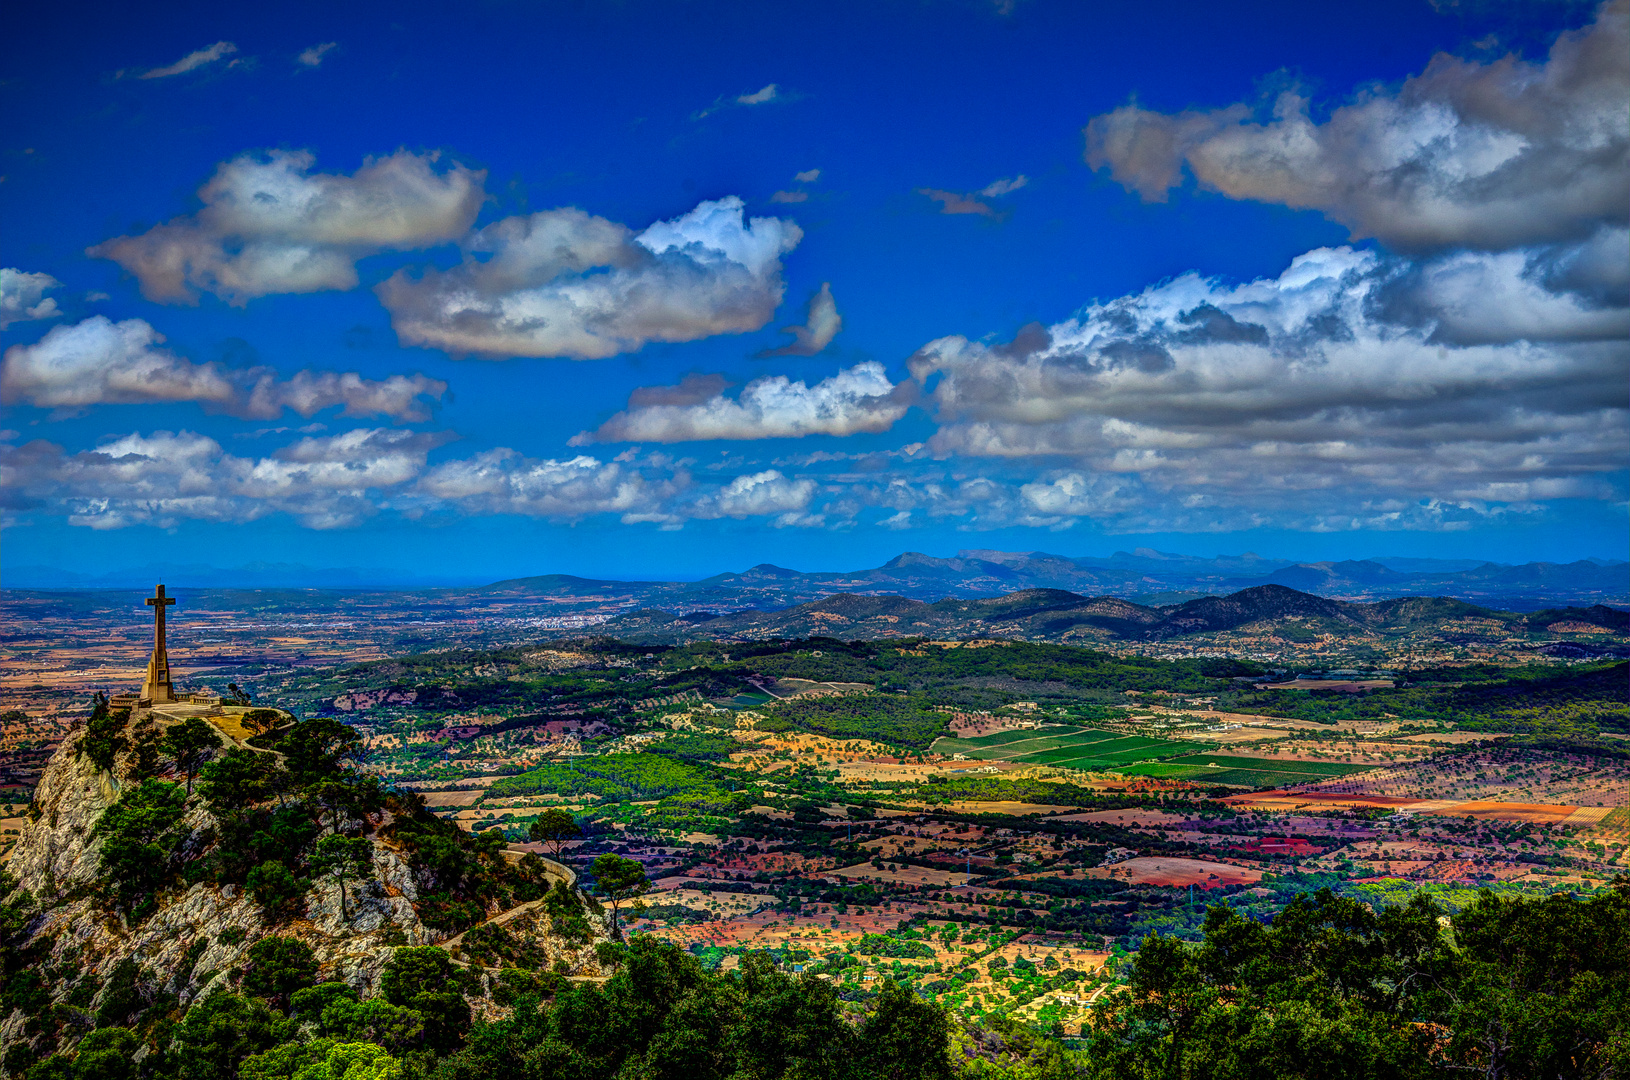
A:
<point x="1538" y="813"/>
<point x="1166" y="870"/>
<point x="1277" y="845"/>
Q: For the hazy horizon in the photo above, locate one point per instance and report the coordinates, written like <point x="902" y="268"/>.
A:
<point x="276" y="574"/>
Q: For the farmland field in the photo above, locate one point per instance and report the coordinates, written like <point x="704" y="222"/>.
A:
<point x="1316" y="768"/>
<point x="1005" y="745"/>
<point x="1095" y="756"/>
<point x="1002" y="738"/>
<point x="1071" y="748"/>
<point x="1244" y="771"/>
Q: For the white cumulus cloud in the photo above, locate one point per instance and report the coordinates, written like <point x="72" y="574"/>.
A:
<point x="503" y="481"/>
<point x="270" y="225"/>
<point x="168" y="477"/>
<point x="760" y="494"/>
<point x="23" y="299"/>
<point x="1491" y="156"/>
<point x="566" y="283"/>
<point x="857" y="399"/>
<point x="1350" y="377"/>
<point x="101" y="362"/>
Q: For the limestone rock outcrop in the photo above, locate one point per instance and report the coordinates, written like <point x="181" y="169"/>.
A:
<point x="200" y="935"/>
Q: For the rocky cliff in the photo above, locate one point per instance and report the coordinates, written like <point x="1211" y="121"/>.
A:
<point x="199" y="936"/>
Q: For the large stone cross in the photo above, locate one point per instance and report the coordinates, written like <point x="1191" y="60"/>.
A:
<point x="158" y="688"/>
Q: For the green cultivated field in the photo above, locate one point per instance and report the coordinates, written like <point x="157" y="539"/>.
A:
<point x="1091" y="748"/>
<point x="1244" y="771"/>
<point x="1066" y="747"/>
<point x="1004" y="744"/>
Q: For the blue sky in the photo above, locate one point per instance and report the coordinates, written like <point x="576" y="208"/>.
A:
<point x="503" y="288"/>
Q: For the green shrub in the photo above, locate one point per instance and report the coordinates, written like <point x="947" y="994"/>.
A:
<point x="491" y="945"/>
<point x="218" y="1033"/>
<point x="896" y="948"/>
<point x="418" y="978"/>
<point x="103" y="740"/>
<point x="274" y="887"/>
<point x="120" y="1000"/>
<point x="279" y="966"/>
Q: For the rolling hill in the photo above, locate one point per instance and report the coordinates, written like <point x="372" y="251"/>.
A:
<point x="1061" y="616"/>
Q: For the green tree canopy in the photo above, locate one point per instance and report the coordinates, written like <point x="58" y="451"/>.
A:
<point x="274" y="886"/>
<point x="218" y="1033"/>
<point x="103" y="739"/>
<point x="237" y="778"/>
<point x="279" y="966"/>
<point x="140" y="835"/>
<point x="1522" y="988"/>
<point x="421" y="978"/>
<point x="189" y="744"/>
<point x="316" y="749"/>
<point x="554" y="827"/>
<point x="621" y="880"/>
<point x="343" y="859"/>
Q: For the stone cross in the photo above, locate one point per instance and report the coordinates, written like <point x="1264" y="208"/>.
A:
<point x="158" y="688"/>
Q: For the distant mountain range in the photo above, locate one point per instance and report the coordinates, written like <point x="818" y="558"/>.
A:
<point x="1145" y="576"/>
<point x="1269" y="613"/>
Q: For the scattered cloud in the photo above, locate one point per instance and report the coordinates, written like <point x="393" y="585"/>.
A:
<point x="1351" y="378"/>
<point x="167" y="477"/>
<point x="1002" y="187"/>
<point x="855" y="400"/>
<point x="100" y="362"/>
<point x="1074" y="494"/>
<point x="566" y="283"/>
<point x="23" y="299"/>
<point x="760" y="494"/>
<point x="1483" y="155"/>
<point x="270" y="225"/>
<point x="502" y="481"/>
<point x="337" y="481"/>
<point x="764" y="95"/>
<point x="192" y="61"/>
<point x="313" y="56"/>
<point x="808" y="176"/>
<point x="953" y="202"/>
<point x="821" y="324"/>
